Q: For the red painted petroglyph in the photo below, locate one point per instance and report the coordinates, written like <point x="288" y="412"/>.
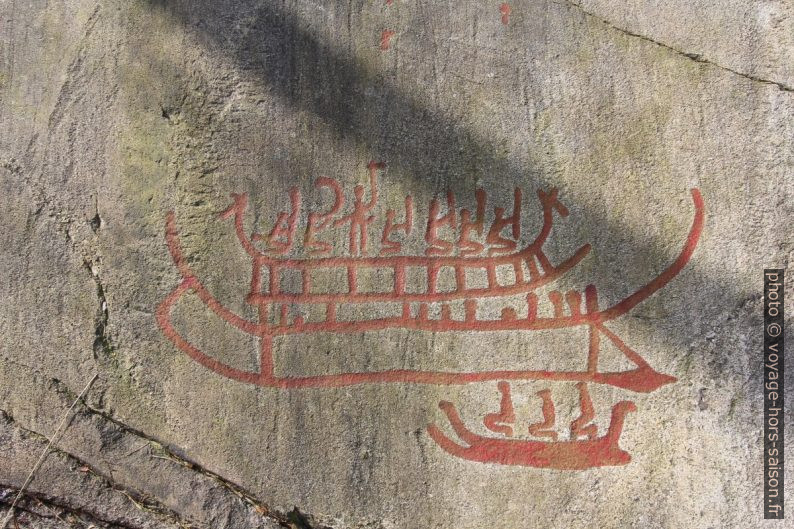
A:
<point x="389" y="246"/>
<point x="504" y="9"/>
<point x="435" y="222"/>
<point x="563" y="455"/>
<point x="320" y="221"/>
<point x="360" y="218"/>
<point x="500" y="244"/>
<point x="581" y="426"/>
<point x="543" y="428"/>
<point x="467" y="252"/>
<point x="282" y="236"/>
<point x="502" y="422"/>
<point x="385" y="39"/>
<point x="468" y="246"/>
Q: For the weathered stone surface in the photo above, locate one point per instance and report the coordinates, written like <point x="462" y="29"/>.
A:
<point x="115" y="113"/>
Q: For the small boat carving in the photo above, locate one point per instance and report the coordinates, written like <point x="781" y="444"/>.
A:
<point x="562" y="455"/>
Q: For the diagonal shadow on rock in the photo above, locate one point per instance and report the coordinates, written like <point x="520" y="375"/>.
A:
<point x="309" y="74"/>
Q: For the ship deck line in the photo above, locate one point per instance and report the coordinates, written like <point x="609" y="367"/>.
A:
<point x="398" y="294"/>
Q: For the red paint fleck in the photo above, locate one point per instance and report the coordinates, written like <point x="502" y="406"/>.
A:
<point x="385" y="37"/>
<point x="505" y="10"/>
<point x="389" y="2"/>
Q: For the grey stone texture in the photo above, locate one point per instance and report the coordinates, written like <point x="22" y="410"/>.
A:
<point x="115" y="112"/>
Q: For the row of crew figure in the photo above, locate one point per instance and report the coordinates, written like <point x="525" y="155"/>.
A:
<point x="281" y="238"/>
<point x="502" y="421"/>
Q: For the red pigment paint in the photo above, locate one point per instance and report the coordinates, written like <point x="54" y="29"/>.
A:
<point x="504" y="9"/>
<point x="543" y="428"/>
<point x="501" y="422"/>
<point x="562" y="455"/>
<point x="385" y="39"/>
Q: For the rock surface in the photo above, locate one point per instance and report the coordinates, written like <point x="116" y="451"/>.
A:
<point x="115" y="113"/>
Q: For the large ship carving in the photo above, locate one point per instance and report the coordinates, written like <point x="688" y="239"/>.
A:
<point x="473" y="248"/>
